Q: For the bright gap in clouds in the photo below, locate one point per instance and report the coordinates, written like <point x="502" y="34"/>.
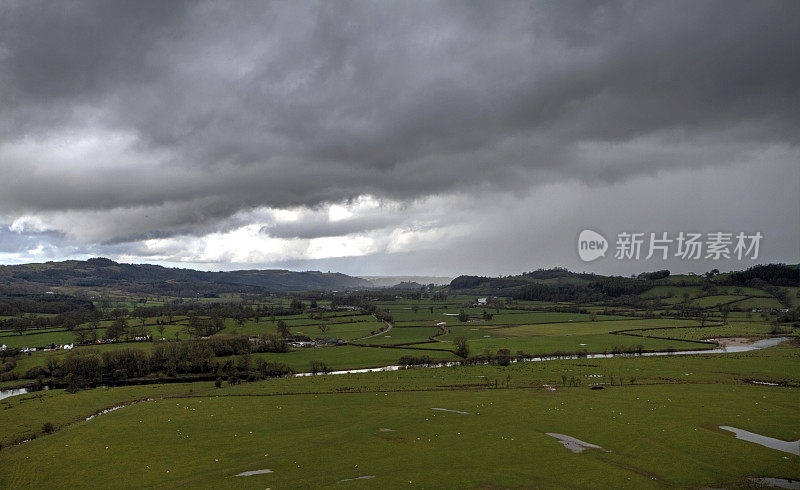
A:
<point x="254" y="243"/>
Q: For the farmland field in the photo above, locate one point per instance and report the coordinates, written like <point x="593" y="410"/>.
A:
<point x="483" y="421"/>
<point x="371" y="425"/>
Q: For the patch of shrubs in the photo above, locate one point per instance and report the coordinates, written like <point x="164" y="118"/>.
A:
<point x="503" y="357"/>
<point x="229" y="345"/>
<point x="319" y="367"/>
<point x="409" y="360"/>
<point x="8" y="365"/>
<point x="274" y="369"/>
<point x="36" y="372"/>
<point x="621" y="349"/>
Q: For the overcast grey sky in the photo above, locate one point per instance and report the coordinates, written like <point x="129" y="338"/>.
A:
<point x="433" y="138"/>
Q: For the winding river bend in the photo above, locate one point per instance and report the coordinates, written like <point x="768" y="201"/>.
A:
<point x="760" y="344"/>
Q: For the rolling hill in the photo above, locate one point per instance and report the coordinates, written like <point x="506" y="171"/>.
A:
<point x="98" y="273"/>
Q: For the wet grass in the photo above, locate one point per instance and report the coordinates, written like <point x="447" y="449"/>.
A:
<point x="656" y="435"/>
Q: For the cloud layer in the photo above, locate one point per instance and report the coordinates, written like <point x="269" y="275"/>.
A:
<point x="156" y="129"/>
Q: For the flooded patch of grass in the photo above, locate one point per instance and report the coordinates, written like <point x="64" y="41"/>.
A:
<point x="254" y="472"/>
<point x="573" y="444"/>
<point x="791" y="447"/>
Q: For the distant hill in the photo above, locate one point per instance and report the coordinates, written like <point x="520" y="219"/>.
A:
<point x="555" y="284"/>
<point x="389" y="281"/>
<point x="559" y="284"/>
<point x="154" y="279"/>
<point x="555" y="276"/>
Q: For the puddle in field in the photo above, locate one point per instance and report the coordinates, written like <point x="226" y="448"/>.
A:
<point x="383" y="429"/>
<point x="731" y="341"/>
<point x="777" y="482"/>
<point x="108" y="410"/>
<point x="367" y="477"/>
<point x="765" y="383"/>
<point x="90" y="417"/>
<point x="448" y="410"/>
<point x="744" y="345"/>
<point x="573" y="444"/>
<point x="791" y="447"/>
<point x="254" y="472"/>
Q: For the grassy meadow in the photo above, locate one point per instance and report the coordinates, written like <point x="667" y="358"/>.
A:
<point x="656" y="419"/>
<point x="660" y="429"/>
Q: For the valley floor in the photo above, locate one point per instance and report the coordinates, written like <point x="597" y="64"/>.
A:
<point x="657" y="425"/>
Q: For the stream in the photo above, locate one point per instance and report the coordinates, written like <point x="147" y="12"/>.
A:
<point x="760" y="344"/>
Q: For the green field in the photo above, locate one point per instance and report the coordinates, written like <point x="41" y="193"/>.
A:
<point x="591" y="343"/>
<point x="748" y="329"/>
<point x="720" y="299"/>
<point x="403" y="335"/>
<point x="348" y="357"/>
<point x="531" y="332"/>
<point x="547" y="338"/>
<point x="505" y="317"/>
<point x="656" y="418"/>
<point x="673" y="292"/>
<point x="653" y="435"/>
<point x="37" y="339"/>
<point x="758" y="303"/>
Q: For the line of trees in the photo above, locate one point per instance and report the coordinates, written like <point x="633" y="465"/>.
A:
<point x="170" y="359"/>
<point x="15" y="304"/>
<point x="68" y="320"/>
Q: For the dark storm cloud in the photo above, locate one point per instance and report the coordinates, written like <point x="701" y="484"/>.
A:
<point x="215" y="109"/>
